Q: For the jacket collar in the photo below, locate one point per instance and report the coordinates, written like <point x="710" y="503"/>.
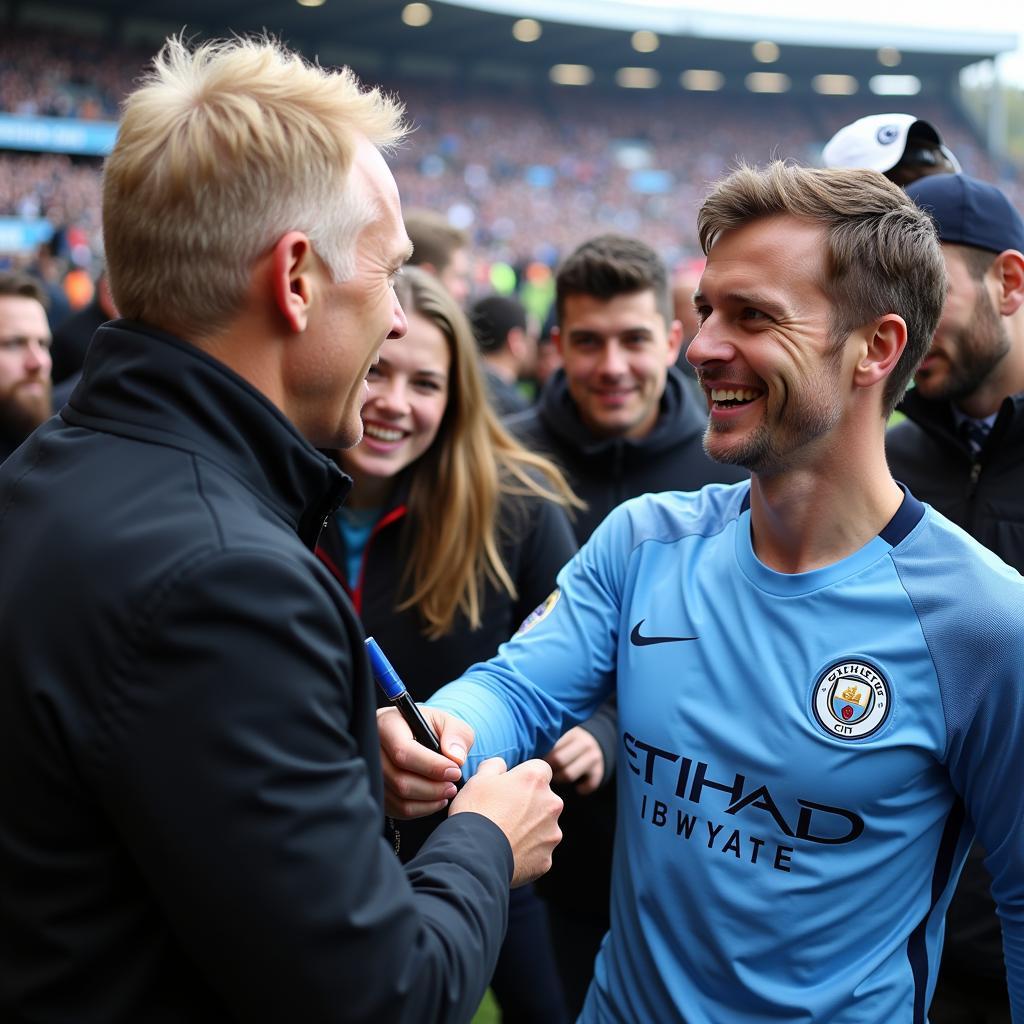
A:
<point x="937" y="419"/>
<point x="144" y="383"/>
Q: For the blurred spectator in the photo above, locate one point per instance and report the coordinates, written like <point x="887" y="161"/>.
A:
<point x="508" y="348"/>
<point x="24" y="360"/>
<point x="549" y="359"/>
<point x="441" y="249"/>
<point x="71" y="339"/>
<point x="49" y="269"/>
<point x="901" y="146"/>
<point x="684" y="284"/>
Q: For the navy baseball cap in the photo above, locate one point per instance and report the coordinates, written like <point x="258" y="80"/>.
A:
<point x="969" y="212"/>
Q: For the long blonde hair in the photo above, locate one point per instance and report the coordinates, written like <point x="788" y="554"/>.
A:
<point x="473" y="463"/>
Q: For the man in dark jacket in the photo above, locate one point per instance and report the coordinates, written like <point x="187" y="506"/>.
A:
<point x="191" y="819"/>
<point x="621" y="420"/>
<point x="961" y="449"/>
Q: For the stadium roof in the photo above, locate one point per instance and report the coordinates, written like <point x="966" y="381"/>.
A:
<point x="676" y="20"/>
<point x="474" y="38"/>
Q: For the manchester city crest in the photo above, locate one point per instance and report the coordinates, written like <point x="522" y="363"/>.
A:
<point x="851" y="699"/>
<point x="539" y="613"/>
<point x="887" y="134"/>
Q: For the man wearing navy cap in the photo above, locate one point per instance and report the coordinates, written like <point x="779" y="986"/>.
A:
<point x="962" y="450"/>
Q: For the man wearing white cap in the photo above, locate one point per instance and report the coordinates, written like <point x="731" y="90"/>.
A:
<point x="901" y="146"/>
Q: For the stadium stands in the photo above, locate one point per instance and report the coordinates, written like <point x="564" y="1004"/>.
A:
<point x="529" y="172"/>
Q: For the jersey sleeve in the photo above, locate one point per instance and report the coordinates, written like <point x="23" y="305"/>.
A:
<point x="560" y="665"/>
<point x="977" y="649"/>
<point x="985" y="751"/>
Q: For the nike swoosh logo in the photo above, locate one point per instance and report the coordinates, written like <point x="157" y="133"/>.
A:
<point x="642" y="641"/>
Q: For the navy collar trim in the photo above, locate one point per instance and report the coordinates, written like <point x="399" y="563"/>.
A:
<point x="907" y="516"/>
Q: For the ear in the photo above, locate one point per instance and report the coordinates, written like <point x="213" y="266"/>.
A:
<point x="516" y="342"/>
<point x="292" y="267"/>
<point x="675" y="342"/>
<point x="556" y="339"/>
<point x="1008" y="270"/>
<point x="881" y="347"/>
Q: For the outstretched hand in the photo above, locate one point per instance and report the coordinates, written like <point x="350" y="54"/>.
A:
<point x="577" y="758"/>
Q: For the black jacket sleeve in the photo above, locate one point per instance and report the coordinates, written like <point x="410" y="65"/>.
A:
<point x="237" y="757"/>
<point x="603" y="725"/>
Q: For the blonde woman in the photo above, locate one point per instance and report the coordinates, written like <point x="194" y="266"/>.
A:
<point x="452" y="535"/>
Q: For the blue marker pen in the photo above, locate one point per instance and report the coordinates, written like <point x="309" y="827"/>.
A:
<point x="395" y="691"/>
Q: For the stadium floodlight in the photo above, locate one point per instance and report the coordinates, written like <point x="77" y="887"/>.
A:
<point x="637" y="78"/>
<point x="571" y="74"/>
<point x="527" y="30"/>
<point x="889" y="56"/>
<point x="835" y="85"/>
<point x="311" y="3"/>
<point x="416" y="15"/>
<point x="645" y="42"/>
<point x="765" y="52"/>
<point x="767" y="81"/>
<point x="702" y="80"/>
<point x="895" y="85"/>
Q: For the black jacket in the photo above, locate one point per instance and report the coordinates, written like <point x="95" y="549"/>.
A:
<point x="190" y="790"/>
<point x="71" y="340"/>
<point x="985" y="496"/>
<point x="535" y="541"/>
<point x="606" y="472"/>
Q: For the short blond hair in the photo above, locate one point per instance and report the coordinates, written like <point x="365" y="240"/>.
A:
<point x="881" y="255"/>
<point x="220" y="151"/>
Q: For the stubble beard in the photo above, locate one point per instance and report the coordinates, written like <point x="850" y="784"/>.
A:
<point x="979" y="348"/>
<point x="766" y="451"/>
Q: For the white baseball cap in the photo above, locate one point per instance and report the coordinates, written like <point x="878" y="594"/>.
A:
<point x="877" y="142"/>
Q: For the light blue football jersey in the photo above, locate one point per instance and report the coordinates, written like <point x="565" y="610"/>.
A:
<point x="804" y="759"/>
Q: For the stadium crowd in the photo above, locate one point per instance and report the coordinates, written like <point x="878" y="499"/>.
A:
<point x="528" y="173"/>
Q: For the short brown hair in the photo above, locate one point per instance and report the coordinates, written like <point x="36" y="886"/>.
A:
<point x="882" y="252"/>
<point x="24" y="287"/>
<point x="433" y="239"/>
<point x="611" y="265"/>
<point x="220" y="151"/>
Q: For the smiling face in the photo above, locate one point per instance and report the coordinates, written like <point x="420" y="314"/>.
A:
<point x="971" y="341"/>
<point x="764" y="353"/>
<point x="408" y="396"/>
<point x="351" y="319"/>
<point x="616" y="354"/>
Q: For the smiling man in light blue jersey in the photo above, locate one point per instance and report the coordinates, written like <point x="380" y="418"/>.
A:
<point x="818" y="677"/>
